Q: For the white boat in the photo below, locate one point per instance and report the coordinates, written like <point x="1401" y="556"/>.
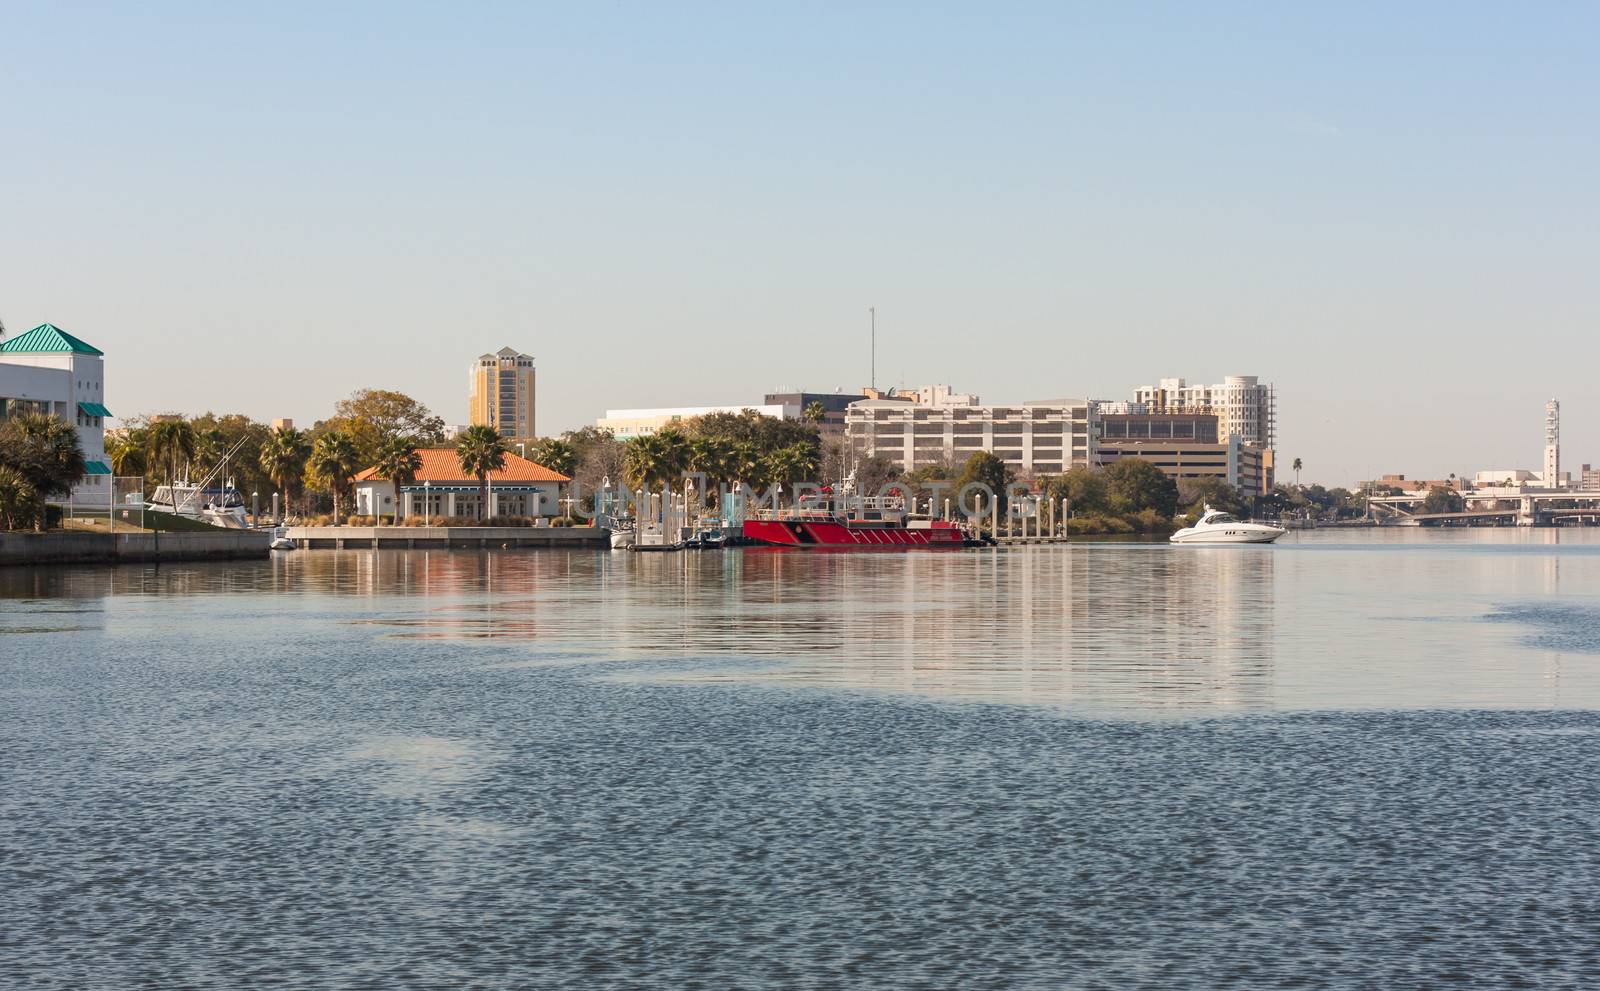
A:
<point x="622" y="534"/>
<point x="1216" y="527"/>
<point x="280" y="539"/>
<point x="223" y="507"/>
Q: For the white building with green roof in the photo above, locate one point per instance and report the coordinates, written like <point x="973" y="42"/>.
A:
<point x="50" y="371"/>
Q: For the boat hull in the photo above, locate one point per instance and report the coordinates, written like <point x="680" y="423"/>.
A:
<point x="1228" y="535"/>
<point x="835" y="535"/>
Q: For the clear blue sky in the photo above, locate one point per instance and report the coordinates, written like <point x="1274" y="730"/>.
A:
<point x="1389" y="213"/>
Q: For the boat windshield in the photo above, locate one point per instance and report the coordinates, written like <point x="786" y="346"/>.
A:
<point x="1216" y="518"/>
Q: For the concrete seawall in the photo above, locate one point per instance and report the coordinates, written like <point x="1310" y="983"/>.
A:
<point x="116" y="548"/>
<point x="404" y="537"/>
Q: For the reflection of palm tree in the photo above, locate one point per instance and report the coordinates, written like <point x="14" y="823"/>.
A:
<point x="399" y="462"/>
<point x="1296" y="466"/>
<point x="482" y="451"/>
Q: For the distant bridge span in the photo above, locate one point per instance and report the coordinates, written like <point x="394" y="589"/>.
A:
<point x="1491" y="505"/>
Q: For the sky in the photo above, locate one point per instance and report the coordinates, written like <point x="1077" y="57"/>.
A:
<point x="1389" y="213"/>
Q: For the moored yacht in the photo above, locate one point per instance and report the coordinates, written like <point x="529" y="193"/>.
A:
<point x="1216" y="527"/>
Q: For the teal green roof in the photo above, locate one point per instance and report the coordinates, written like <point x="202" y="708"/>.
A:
<point x="96" y="468"/>
<point x="94" y="409"/>
<point x="47" y="338"/>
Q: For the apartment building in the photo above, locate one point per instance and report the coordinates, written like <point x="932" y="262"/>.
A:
<point x="1245" y="407"/>
<point x="502" y="392"/>
<point x="1036" y="438"/>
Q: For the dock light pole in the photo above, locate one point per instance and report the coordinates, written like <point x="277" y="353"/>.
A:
<point x="427" y="499"/>
<point x="255" y="509"/>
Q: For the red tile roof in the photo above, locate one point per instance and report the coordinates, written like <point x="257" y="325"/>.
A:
<point x="439" y="464"/>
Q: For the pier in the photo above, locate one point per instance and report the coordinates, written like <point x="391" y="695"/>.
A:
<point x="436" y="537"/>
<point x="20" y="548"/>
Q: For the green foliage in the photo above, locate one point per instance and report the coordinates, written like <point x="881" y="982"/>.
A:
<point x="1194" y="494"/>
<point x="20" y="504"/>
<point x="555" y="454"/>
<point x="333" y="460"/>
<point x="1136" y="485"/>
<point x="1085" y="490"/>
<point x="986" y="469"/>
<point x="283" y="458"/>
<point x="371" y="416"/>
<point x="172" y="442"/>
<point x="44" y="452"/>
<point x="1442" y="500"/>
<point x="815" y="412"/>
<point x="399" y="462"/>
<point x="657" y="459"/>
<point x="127" y="451"/>
<point x="794" y="463"/>
<point x="481" y="451"/>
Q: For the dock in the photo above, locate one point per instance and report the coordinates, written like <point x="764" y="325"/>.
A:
<point x="441" y="537"/>
<point x="21" y="548"/>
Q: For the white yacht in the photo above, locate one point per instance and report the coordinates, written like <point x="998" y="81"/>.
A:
<point x="623" y="534"/>
<point x="222" y="507"/>
<point x="1216" y="527"/>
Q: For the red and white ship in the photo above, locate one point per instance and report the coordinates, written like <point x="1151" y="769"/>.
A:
<point x="867" y="524"/>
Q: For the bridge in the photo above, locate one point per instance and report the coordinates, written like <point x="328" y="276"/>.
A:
<point x="1494" y="506"/>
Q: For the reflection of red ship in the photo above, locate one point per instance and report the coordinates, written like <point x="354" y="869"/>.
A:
<point x="873" y="523"/>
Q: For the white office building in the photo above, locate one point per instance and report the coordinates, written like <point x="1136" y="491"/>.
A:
<point x="48" y="370"/>
<point x="1245" y="407"/>
<point x="1035" y="438"/>
<point x="629" y="423"/>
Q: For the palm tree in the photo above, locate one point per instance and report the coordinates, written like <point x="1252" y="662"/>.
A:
<point x="712" y="458"/>
<point x="815" y="412"/>
<point x="557" y="455"/>
<point x="1296" y="466"/>
<point x="170" y="440"/>
<point x="19" y="501"/>
<point x="747" y="465"/>
<point x="283" y="458"/>
<point x="399" y="462"/>
<point x="482" y="451"/>
<point x="333" y="460"/>
<point x="127" y="452"/>
<point x="44" y="450"/>
<point x="795" y="463"/>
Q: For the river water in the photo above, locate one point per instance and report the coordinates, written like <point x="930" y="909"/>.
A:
<point x="1350" y="760"/>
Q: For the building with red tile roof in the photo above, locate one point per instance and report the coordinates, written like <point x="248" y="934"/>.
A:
<point x="441" y="488"/>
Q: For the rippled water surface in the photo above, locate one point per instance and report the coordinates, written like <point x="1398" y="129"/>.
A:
<point x="1349" y="760"/>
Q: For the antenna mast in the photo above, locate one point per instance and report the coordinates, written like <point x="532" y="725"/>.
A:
<point x="873" y="380"/>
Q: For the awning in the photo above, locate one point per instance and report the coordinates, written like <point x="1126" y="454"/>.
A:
<point x="96" y="468"/>
<point x="94" y="409"/>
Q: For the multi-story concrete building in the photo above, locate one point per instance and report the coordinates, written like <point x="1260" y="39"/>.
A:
<point x="1245" y="408"/>
<point x="502" y="393"/>
<point x="627" y="423"/>
<point x="48" y="370"/>
<point x="1589" y="479"/>
<point x="1246" y="467"/>
<point x="1035" y="438"/>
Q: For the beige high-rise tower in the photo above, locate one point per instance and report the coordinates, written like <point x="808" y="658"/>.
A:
<point x="502" y="392"/>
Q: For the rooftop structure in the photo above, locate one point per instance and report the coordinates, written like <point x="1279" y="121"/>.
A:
<point x="1245" y="408"/>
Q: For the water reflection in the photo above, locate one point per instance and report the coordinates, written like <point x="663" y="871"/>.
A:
<point x="1321" y="620"/>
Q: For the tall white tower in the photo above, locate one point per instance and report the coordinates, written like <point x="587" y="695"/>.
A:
<point x="1552" y="445"/>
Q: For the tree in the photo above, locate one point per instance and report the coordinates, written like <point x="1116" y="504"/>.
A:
<point x="1136" y="485"/>
<point x="654" y="459"/>
<point x="597" y="456"/>
<point x="399" y="462"/>
<point x="45" y="451"/>
<point x="371" y="416"/>
<point x="815" y="412"/>
<point x="482" y="451"/>
<point x="127" y="451"/>
<point x="19" y="500"/>
<point x="557" y="455"/>
<point x="171" y="440"/>
<point x="1296" y="466"/>
<point x="749" y="466"/>
<point x="987" y="470"/>
<point x="712" y="458"/>
<point x="1196" y="493"/>
<point x="1084" y="489"/>
<point x="1442" y="500"/>
<point x="333" y="460"/>
<point x="791" y="464"/>
<point x="283" y="458"/>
